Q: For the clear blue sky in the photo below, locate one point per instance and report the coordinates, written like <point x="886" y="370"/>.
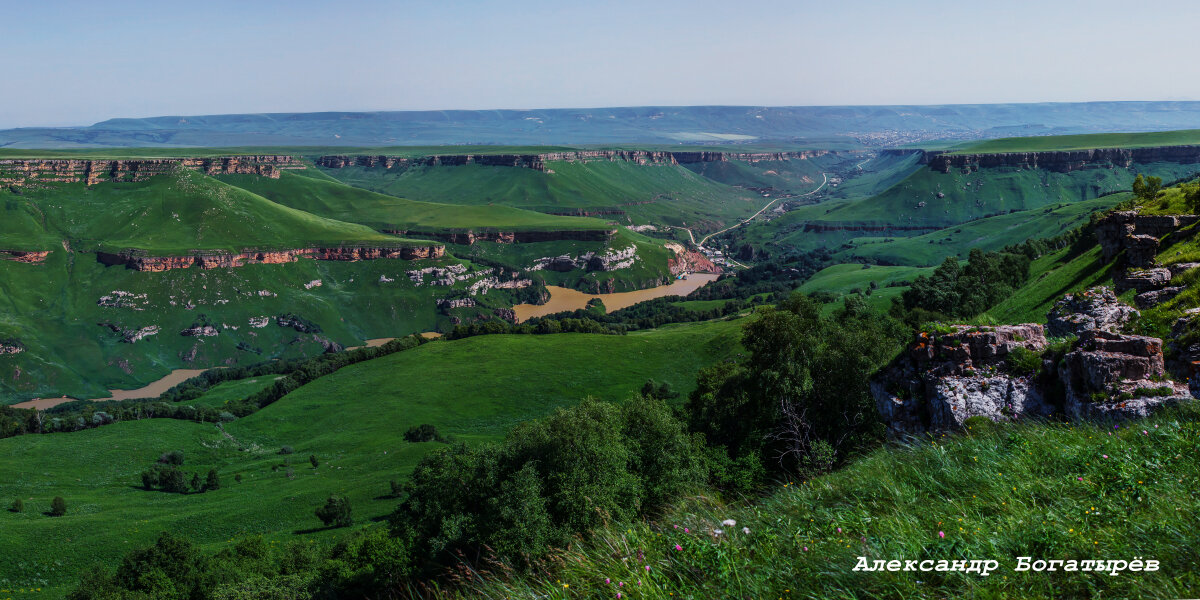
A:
<point x="72" y="63"/>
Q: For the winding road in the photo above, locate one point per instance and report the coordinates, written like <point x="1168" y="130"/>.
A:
<point x="824" y="180"/>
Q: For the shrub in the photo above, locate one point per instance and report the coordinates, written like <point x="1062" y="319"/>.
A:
<point x="335" y="512"/>
<point x="312" y="458"/>
<point x="423" y="433"/>
<point x="17" y="506"/>
<point x="213" y="481"/>
<point x="979" y="425"/>
<point x="175" y="457"/>
<point x="58" y="507"/>
<point x="286" y="450"/>
<point x="1023" y="361"/>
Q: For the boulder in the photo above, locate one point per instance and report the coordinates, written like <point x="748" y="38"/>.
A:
<point x="1096" y="308"/>
<point x="1143" y="280"/>
<point x="999" y="397"/>
<point x="1112" y="375"/>
<point x="1140" y="251"/>
<point x="945" y="378"/>
<point x="1155" y="297"/>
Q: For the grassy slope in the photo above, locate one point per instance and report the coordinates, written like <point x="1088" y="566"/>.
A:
<point x="472" y="389"/>
<point x="339" y="201"/>
<point x="1045" y="491"/>
<point x="1052" y="276"/>
<point x="1084" y="142"/>
<point x="846" y="278"/>
<point x="53" y="309"/>
<point x="660" y="193"/>
<point x="987" y="192"/>
<point x="992" y="233"/>
<point x="168" y="214"/>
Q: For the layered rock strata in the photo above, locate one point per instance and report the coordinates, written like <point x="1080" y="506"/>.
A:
<point x="212" y="260"/>
<point x="945" y="379"/>
<point x="20" y="172"/>
<point x="538" y="161"/>
<point x="1062" y="161"/>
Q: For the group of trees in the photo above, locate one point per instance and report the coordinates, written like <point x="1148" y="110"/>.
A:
<point x="799" y="405"/>
<point x="957" y="291"/>
<point x="82" y="414"/>
<point x="166" y="476"/>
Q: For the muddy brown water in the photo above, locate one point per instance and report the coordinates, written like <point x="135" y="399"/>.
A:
<point x="566" y="299"/>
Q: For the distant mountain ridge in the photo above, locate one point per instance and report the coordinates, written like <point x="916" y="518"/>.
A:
<point x="872" y="126"/>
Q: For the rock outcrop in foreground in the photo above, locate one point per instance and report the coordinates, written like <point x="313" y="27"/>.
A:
<point x="944" y="379"/>
<point x="1003" y="373"/>
<point x="213" y="260"/>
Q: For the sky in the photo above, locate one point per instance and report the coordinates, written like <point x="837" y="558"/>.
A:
<point x="79" y="62"/>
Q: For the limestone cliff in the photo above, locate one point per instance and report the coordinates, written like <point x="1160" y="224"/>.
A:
<point x="211" y="260"/>
<point x="1062" y="161"/>
<point x="20" y="172"/>
<point x="469" y="237"/>
<point x="538" y="161"/>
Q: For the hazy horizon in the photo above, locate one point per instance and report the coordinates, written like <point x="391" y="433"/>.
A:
<point x="87" y="63"/>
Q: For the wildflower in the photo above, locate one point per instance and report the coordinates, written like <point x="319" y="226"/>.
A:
<point x="676" y="527"/>
<point x="806" y="548"/>
<point x="746" y="530"/>
<point x="717" y="532"/>
<point x="1144" y="432"/>
<point x="647" y="569"/>
<point x="678" y="548"/>
<point x="686" y="530"/>
<point x="618" y="594"/>
<point x="839" y="529"/>
<point x="622" y="584"/>
<point x="607" y="580"/>
<point x="941" y="534"/>
<point x="729" y="522"/>
<point x="1104" y="455"/>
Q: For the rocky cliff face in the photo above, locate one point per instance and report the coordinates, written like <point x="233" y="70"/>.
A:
<point x="1062" y="161"/>
<point x="945" y="379"/>
<point x="467" y="238"/>
<point x="213" y="260"/>
<point x="538" y="161"/>
<point x="24" y="256"/>
<point x="23" y="172"/>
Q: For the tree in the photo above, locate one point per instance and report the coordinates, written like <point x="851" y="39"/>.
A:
<point x="1146" y="188"/>
<point x="1191" y="198"/>
<point x="197" y="485"/>
<point x="312" y="458"/>
<point x="213" y="481"/>
<point x="58" y="507"/>
<point x="335" y="512"/>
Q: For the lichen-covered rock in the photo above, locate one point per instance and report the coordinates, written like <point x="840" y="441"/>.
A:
<point x="199" y="331"/>
<point x="999" y="397"/>
<point x="1155" y="297"/>
<point x="946" y="378"/>
<point x="1096" y="308"/>
<point x="1143" y="280"/>
<point x="1113" y="375"/>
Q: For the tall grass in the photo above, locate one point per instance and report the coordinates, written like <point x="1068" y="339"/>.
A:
<point x="1047" y="491"/>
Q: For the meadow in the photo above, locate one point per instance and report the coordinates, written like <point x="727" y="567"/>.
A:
<point x="1047" y="491"/>
<point x="472" y="390"/>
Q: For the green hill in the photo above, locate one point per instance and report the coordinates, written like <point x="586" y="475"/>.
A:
<point x="473" y="390"/>
<point x="1083" y="142"/>
<point x="329" y="198"/>
<point x="620" y="190"/>
<point x="167" y="214"/>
